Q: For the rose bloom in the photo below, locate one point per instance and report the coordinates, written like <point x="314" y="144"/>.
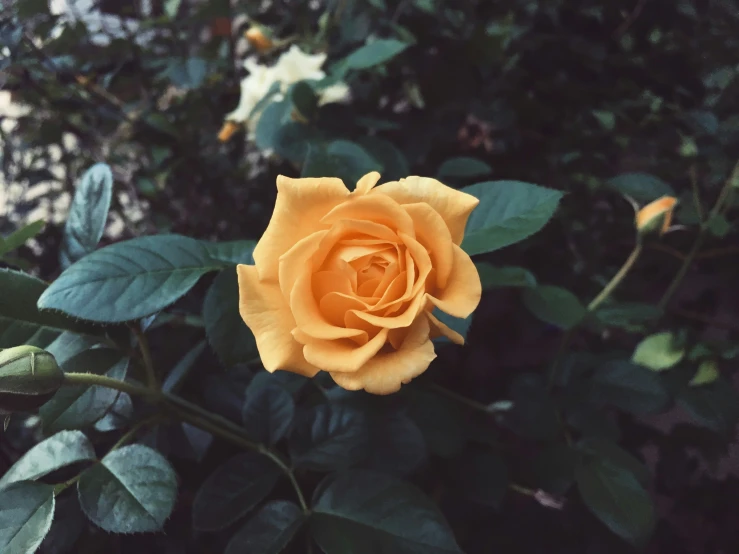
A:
<point x="345" y="282"/>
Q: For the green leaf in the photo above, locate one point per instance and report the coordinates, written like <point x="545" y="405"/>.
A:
<point x="510" y="276"/>
<point x="659" y="351"/>
<point x="232" y="490"/>
<point x="67" y="345"/>
<point x="611" y="453"/>
<point x="642" y="187"/>
<point x="441" y="422"/>
<point x="268" y="413"/>
<point x="269" y="531"/>
<point x="88" y="214"/>
<point x="227" y="333"/>
<point x="393" y="161"/>
<point x="26" y="512"/>
<point x="118" y="415"/>
<point x="60" y="450"/>
<point x="329" y="437"/>
<point x="397" y="445"/>
<point x="463" y="168"/>
<point x="617" y="498"/>
<point x="631" y="316"/>
<point x="553" y="468"/>
<point x="129" y="280"/>
<point x="707" y="373"/>
<point x="482" y="478"/>
<point x="534" y="414"/>
<point x="20" y="237"/>
<point x="232" y="252"/>
<point x="187" y="73"/>
<point x="714" y="406"/>
<point x="132" y="490"/>
<point x="364" y="512"/>
<point x="178" y="373"/>
<point x="78" y="406"/>
<point x="340" y="158"/>
<point x="718" y="226"/>
<point x="374" y="53"/>
<point x="509" y="211"/>
<point x="630" y="387"/>
<point x="304" y="99"/>
<point x="274" y="116"/>
<point x="554" y="305"/>
<point x="20" y="320"/>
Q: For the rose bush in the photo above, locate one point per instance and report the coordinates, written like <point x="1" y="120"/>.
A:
<point x="346" y="281"/>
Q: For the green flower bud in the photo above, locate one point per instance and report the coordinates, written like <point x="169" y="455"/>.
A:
<point x="29" y="377"/>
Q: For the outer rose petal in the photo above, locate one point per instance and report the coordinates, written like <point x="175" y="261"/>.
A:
<point x="439" y="329"/>
<point x="265" y="311"/>
<point x="365" y="184"/>
<point x="300" y="205"/>
<point x="452" y="205"/>
<point x="384" y="373"/>
<point x="435" y="237"/>
<point x="343" y="355"/>
<point x="462" y="293"/>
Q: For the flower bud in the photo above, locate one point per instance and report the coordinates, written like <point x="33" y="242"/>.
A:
<point x="29" y="377"/>
<point x="656" y="216"/>
<point x="258" y="40"/>
<point x="227" y="131"/>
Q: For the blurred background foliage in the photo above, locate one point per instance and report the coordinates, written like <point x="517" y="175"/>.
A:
<point x="595" y="98"/>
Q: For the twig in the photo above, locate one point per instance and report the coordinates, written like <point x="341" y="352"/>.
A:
<point x="621" y="29"/>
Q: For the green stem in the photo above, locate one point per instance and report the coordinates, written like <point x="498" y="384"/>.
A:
<point x="680" y="275"/>
<point x="613" y="283"/>
<point x="479" y="406"/>
<point x="690" y="258"/>
<point x="190" y="413"/>
<point x="151" y="375"/>
<point x="91" y="379"/>
<point x="594" y="304"/>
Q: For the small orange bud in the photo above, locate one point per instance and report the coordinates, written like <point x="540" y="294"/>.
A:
<point x="82" y="80"/>
<point x="258" y="40"/>
<point x="227" y="131"/>
<point x="656" y="215"/>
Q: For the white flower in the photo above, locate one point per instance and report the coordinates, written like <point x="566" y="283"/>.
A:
<point x="292" y="67"/>
<point x="253" y="88"/>
<point x="338" y="92"/>
<point x="295" y="65"/>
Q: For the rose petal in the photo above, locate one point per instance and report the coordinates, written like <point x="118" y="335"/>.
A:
<point x="300" y="205"/>
<point x="434" y="235"/>
<point x="308" y="316"/>
<point x="393" y="322"/>
<point x="343" y="355"/>
<point x="297" y="260"/>
<point x="378" y="209"/>
<point x="365" y="184"/>
<point x="347" y="230"/>
<point x="439" y="329"/>
<point x="462" y="293"/>
<point x="452" y="205"/>
<point x="265" y="311"/>
<point x="334" y="307"/>
<point x="385" y="372"/>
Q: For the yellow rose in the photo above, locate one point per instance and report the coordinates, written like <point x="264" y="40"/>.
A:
<point x="345" y="282"/>
<point x="656" y="215"/>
